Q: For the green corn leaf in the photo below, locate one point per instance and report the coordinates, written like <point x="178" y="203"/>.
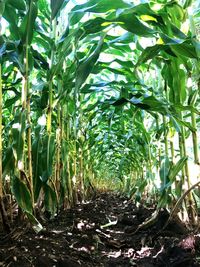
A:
<point x="193" y="98"/>
<point x="95" y="25"/>
<point x="11" y="16"/>
<point x="19" y="4"/>
<point x="36" y="157"/>
<point x="39" y="58"/>
<point x="126" y="64"/>
<point x="177" y="32"/>
<point x="22" y="194"/>
<point x="36" y="224"/>
<point x="2" y="50"/>
<point x="179" y="107"/>
<point x="149" y="53"/>
<point x="56" y="6"/>
<point x="156" y="105"/>
<point x="75" y="17"/>
<point x="164" y="172"/>
<point x="185" y="49"/>
<point x="42" y="42"/>
<point x="187" y="3"/>
<point x="8" y="161"/>
<point x="47" y="157"/>
<point x="11" y="101"/>
<point x="85" y="68"/>
<point x="56" y="68"/>
<point x="27" y="26"/>
<point x="175" y="124"/>
<point x="50" y="199"/>
<point x="131" y="23"/>
<point x="44" y="6"/>
<point x="101" y="6"/>
<point x="126" y="38"/>
<point x="184" y="123"/>
<point x="91" y="107"/>
<point x="196" y="44"/>
<point x="142" y="186"/>
<point x="175" y="169"/>
<point x="164" y="199"/>
<point x="119" y="102"/>
<point x="150" y="103"/>
<point x="2" y="7"/>
<point x="170" y="41"/>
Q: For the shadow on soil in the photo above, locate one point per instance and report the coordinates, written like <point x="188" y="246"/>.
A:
<point x="102" y="232"/>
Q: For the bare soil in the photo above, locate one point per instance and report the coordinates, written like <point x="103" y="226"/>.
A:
<point x="102" y="232"/>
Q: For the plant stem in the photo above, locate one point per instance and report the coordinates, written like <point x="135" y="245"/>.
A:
<point x="195" y="140"/>
<point x="27" y="105"/>
<point x="165" y="136"/>
<point x="172" y="150"/>
<point x="50" y="82"/>
<point x="193" y="116"/>
<point x="2" y="209"/>
<point x="69" y="178"/>
<point x="49" y="110"/>
<point x="1" y="102"/>
<point x="186" y="172"/>
<point x="81" y="174"/>
<point x="58" y="146"/>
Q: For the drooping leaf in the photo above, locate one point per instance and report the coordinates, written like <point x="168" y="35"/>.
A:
<point x="120" y="102"/>
<point x="184" y="123"/>
<point x="95" y="25"/>
<point x="185" y="49"/>
<point x="149" y="53"/>
<point x="177" y="168"/>
<point x="36" y="157"/>
<point x="127" y="37"/>
<point x="50" y="199"/>
<point x="21" y="194"/>
<point x="11" y="101"/>
<point x="47" y="157"/>
<point x="85" y="68"/>
<point x="131" y="23"/>
<point x="8" y="161"/>
<point x="164" y="173"/>
<point x="42" y="61"/>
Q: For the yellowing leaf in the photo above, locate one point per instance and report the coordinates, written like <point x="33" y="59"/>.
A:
<point x="160" y="41"/>
<point x="106" y="23"/>
<point x="148" y="18"/>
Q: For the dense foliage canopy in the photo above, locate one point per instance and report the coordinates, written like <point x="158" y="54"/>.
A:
<point x="103" y="94"/>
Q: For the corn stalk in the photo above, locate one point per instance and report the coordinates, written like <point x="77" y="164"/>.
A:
<point x="2" y="208"/>
<point x="27" y="103"/>
<point x="195" y="94"/>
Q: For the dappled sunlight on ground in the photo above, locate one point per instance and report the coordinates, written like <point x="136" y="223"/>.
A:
<point x="109" y="231"/>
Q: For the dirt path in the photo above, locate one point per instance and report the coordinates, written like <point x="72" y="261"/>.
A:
<point x="100" y="233"/>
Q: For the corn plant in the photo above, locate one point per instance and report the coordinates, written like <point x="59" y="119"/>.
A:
<point x="93" y="94"/>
